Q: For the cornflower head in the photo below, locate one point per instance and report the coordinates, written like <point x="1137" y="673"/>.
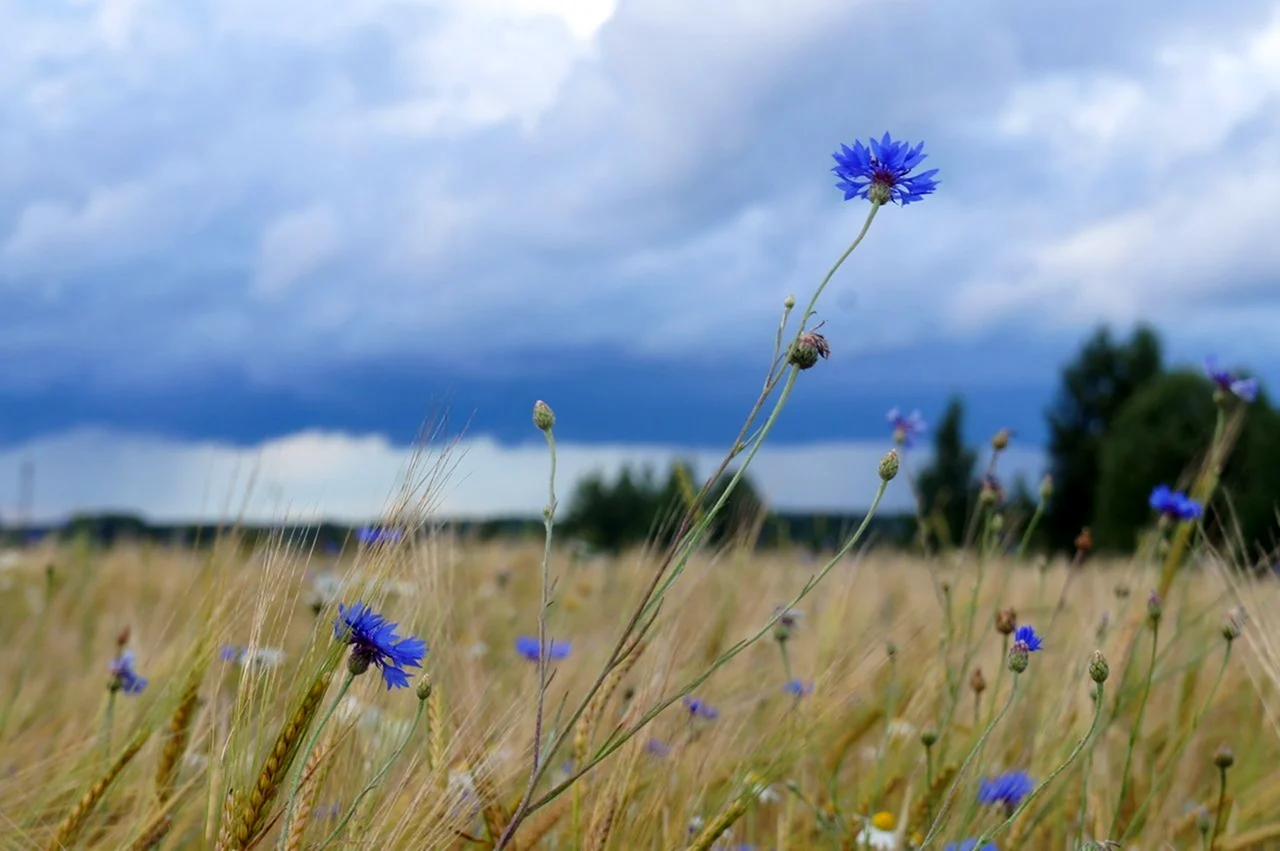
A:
<point x="374" y="641"/>
<point x="906" y="428"/>
<point x="699" y="708"/>
<point x="655" y="747"/>
<point x="374" y="535"/>
<point x="881" y="172"/>
<point x="969" y="845"/>
<point x="124" y="676"/>
<point x="798" y="688"/>
<point x="1008" y="789"/>
<point x="1025" y="642"/>
<point x="1174" y="505"/>
<point x="528" y="647"/>
<point x="1226" y="384"/>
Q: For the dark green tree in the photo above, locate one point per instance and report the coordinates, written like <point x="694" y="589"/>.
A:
<point x="1095" y="386"/>
<point x="1162" y="436"/>
<point x="635" y="508"/>
<point x="946" y="483"/>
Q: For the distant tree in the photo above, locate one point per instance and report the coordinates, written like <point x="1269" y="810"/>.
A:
<point x="946" y="482"/>
<point x="635" y="508"/>
<point x="1162" y="436"/>
<point x="1103" y="377"/>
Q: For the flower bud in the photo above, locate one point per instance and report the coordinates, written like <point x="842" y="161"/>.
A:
<point x="928" y="737"/>
<point x="1224" y="758"/>
<point x="977" y="682"/>
<point x="1155" y="608"/>
<point x="424" y="687"/>
<point x="1006" y="621"/>
<point x="1000" y="441"/>
<point x="1232" y="624"/>
<point x="1099" y="670"/>
<point x="889" y="466"/>
<point x="543" y="417"/>
<point x="790" y="302"/>
<point x="1046" y="487"/>
<point x="806" y="350"/>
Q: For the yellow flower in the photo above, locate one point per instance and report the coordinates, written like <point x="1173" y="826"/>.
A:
<point x="883" y="821"/>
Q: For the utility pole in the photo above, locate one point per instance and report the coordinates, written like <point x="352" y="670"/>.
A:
<point x="26" y="493"/>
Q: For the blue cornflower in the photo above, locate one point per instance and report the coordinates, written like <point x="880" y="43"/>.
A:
<point x="881" y="173"/>
<point x="1008" y="789"/>
<point x="1027" y="635"/>
<point x="797" y="688"/>
<point x="527" y="646"/>
<point x="374" y="535"/>
<point x="124" y="676"/>
<point x="1242" y="388"/>
<point x="969" y="845"/>
<point x="654" y="747"/>
<point x="374" y="641"/>
<point x="701" y="709"/>
<point x="906" y="428"/>
<point x="1175" y="505"/>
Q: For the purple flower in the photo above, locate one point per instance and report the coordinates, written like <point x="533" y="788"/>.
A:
<point x="906" y="428"/>
<point x="969" y="845"/>
<point x="1026" y="635"/>
<point x="881" y="172"/>
<point x="1175" y="505"/>
<point x="1241" y="388"/>
<point x="527" y="646"/>
<point x="700" y="709"/>
<point x="656" y="748"/>
<point x="374" y="535"/>
<point x="798" y="688"/>
<point x="124" y="676"/>
<point x="374" y="641"/>
<point x="1008" y="789"/>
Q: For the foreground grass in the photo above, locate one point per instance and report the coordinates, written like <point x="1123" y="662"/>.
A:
<point x="883" y="645"/>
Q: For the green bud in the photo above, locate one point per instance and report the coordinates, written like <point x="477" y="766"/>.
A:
<point x="543" y="417"/>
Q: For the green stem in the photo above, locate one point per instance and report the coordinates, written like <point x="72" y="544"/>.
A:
<point x="305" y="754"/>
<point x="620" y="738"/>
<point x="1035" y="793"/>
<point x="377" y="778"/>
<point x="1135" y="729"/>
<point x="1182" y="744"/>
<point x="1030" y="531"/>
<point x="27" y="658"/>
<point x="1222" y="805"/>
<point x="977" y="746"/>
<point x="107" y="723"/>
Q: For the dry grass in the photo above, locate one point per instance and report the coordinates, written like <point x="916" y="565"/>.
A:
<point x="830" y="760"/>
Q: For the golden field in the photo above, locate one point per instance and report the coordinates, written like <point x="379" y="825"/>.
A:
<point x="882" y="640"/>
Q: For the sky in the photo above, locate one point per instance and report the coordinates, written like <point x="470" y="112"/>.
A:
<point x="279" y="237"/>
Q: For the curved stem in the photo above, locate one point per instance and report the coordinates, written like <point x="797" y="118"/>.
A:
<point x="377" y="779"/>
<point x="1035" y="793"/>
<point x="305" y="754"/>
<point x="1136" y="728"/>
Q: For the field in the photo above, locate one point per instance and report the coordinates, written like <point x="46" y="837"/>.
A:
<point x="208" y="752"/>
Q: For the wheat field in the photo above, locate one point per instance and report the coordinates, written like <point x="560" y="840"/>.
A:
<point x="886" y="652"/>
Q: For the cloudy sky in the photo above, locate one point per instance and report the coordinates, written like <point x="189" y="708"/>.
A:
<point x="278" y="236"/>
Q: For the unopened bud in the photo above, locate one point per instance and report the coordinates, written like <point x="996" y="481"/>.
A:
<point x="1046" y="487"/>
<point x="1099" y="670"/>
<point x="122" y="638"/>
<point x="889" y="466"/>
<point x="977" y="682"/>
<point x="806" y="350"/>
<point x="424" y="687"/>
<point x="1006" y="621"/>
<point x="997" y="522"/>
<point x="1000" y="441"/>
<point x="543" y="417"/>
<point x="1155" y="608"/>
<point x="1233" y="624"/>
<point x="790" y="302"/>
<point x="1224" y="758"/>
<point x="928" y="737"/>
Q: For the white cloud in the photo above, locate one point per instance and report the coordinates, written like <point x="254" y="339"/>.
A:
<point x="296" y="245"/>
<point x="352" y="478"/>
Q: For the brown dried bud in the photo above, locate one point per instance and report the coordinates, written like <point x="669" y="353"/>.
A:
<point x="806" y="350"/>
<point x="1084" y="541"/>
<point x="123" y="638"/>
<point x="977" y="682"/>
<point x="1006" y="621"/>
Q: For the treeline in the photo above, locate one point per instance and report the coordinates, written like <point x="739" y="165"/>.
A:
<point x="1121" y="423"/>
